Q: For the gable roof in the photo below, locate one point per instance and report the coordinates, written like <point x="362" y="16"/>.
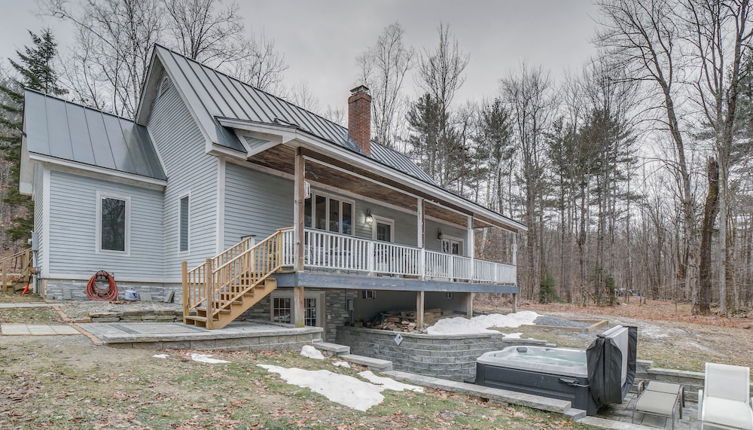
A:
<point x="57" y="128"/>
<point x="216" y="95"/>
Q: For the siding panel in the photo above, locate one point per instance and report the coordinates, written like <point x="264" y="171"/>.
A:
<point x="73" y="221"/>
<point x="189" y="169"/>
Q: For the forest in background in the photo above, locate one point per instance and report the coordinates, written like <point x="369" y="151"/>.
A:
<point x="632" y="174"/>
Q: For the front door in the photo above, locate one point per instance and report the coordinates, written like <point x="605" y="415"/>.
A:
<point x="452" y="246"/>
<point x="384" y="229"/>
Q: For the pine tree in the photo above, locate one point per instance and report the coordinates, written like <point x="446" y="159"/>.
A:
<point x="35" y="72"/>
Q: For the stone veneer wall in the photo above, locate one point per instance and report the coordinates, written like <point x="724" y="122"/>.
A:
<point x="54" y="289"/>
<point x="449" y="356"/>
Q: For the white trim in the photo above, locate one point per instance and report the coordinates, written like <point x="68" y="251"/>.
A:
<point x="109" y="173"/>
<point x="190" y="203"/>
<point x="329" y="149"/>
<point x="46" y="220"/>
<point x="156" y="151"/>
<point x="101" y="195"/>
<point x="449" y="238"/>
<point x="383" y="220"/>
<point x="220" y="208"/>
<point x="319" y="185"/>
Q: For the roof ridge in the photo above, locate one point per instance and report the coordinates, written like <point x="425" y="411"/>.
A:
<point x="81" y="105"/>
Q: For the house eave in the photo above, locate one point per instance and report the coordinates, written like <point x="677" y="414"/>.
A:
<point x="110" y="174"/>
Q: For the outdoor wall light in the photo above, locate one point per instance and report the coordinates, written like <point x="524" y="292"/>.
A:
<point x="369" y="218"/>
<point x="439" y="234"/>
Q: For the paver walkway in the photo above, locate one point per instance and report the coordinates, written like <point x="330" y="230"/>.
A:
<point x="36" y="330"/>
<point x="26" y="305"/>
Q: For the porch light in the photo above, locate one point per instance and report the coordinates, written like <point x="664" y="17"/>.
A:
<point x="369" y="218"/>
<point x="439" y="234"/>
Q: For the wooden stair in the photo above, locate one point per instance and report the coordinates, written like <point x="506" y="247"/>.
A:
<point x="15" y="271"/>
<point x="225" y="286"/>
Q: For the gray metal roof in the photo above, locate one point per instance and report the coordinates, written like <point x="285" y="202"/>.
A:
<point x="65" y="130"/>
<point x="216" y="95"/>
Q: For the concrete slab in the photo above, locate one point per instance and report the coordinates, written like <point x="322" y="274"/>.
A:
<point x="14" y="330"/>
<point x="613" y="425"/>
<point x="493" y="394"/>
<point x="25" y="305"/>
<point x="146" y="332"/>
<point x="64" y="330"/>
<point x="41" y="330"/>
<point x="37" y="330"/>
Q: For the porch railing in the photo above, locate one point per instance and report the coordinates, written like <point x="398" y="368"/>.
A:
<point x="334" y="251"/>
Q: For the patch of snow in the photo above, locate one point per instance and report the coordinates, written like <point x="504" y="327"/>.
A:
<point x="343" y="389"/>
<point x="311" y="352"/>
<point x="344" y="364"/>
<point x="388" y="383"/>
<point x="203" y="358"/>
<point x="481" y="323"/>
<point x="653" y="331"/>
<point x="160" y="356"/>
<point x="513" y="335"/>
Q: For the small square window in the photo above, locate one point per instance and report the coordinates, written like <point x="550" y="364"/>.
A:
<point x="368" y="294"/>
<point x="281" y="310"/>
<point x="449" y="295"/>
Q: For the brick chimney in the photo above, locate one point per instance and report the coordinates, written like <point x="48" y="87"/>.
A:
<point x="359" y="117"/>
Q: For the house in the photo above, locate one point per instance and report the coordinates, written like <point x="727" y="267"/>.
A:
<point x="243" y="203"/>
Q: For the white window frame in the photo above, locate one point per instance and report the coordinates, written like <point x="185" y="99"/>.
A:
<point x="451" y="239"/>
<point x="164" y="86"/>
<point x="190" y="203"/>
<point x="328" y="198"/>
<point x="320" y="305"/>
<point x="383" y="220"/>
<point x="101" y="195"/>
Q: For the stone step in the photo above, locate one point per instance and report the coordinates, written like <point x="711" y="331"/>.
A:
<point x="371" y="363"/>
<point x="332" y="347"/>
<point x="494" y="394"/>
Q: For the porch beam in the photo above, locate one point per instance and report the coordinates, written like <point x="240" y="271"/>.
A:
<point x="419" y="310"/>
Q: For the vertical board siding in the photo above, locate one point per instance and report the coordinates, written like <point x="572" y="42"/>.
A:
<point x="73" y="221"/>
<point x="189" y="169"/>
<point x="255" y="203"/>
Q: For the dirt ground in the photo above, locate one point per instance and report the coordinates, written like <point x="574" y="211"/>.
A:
<point x="672" y="338"/>
<point x="67" y="382"/>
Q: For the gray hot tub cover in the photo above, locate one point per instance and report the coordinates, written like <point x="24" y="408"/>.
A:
<point x="605" y="368"/>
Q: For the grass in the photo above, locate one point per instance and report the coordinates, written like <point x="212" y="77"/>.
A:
<point x="79" y="385"/>
<point x="30" y="316"/>
<point x="8" y="297"/>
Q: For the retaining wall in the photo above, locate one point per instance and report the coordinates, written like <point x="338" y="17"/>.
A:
<point x="75" y="289"/>
<point x="449" y="356"/>
<point x="692" y="381"/>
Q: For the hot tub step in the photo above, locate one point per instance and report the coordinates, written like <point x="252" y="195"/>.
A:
<point x="371" y="363"/>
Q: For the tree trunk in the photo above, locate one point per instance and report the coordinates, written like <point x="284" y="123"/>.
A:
<point x="710" y="209"/>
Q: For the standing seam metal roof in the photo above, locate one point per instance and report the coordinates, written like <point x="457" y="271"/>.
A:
<point x="222" y="96"/>
<point x="65" y="130"/>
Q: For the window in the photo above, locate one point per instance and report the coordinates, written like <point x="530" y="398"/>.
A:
<point x="451" y="245"/>
<point x="310" y="309"/>
<point x="327" y="213"/>
<point x="449" y="295"/>
<point x="183" y="228"/>
<point x="281" y="310"/>
<point x="113" y="223"/>
<point x="164" y="85"/>
<point x="383" y="229"/>
<point x="368" y="294"/>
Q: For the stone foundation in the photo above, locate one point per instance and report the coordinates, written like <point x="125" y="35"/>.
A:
<point x="75" y="289"/>
<point x="449" y="357"/>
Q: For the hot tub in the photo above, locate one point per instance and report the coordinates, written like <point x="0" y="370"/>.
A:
<point x="589" y="379"/>
<point x="558" y="373"/>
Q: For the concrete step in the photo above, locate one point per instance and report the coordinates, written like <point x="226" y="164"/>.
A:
<point x="494" y="394"/>
<point x="371" y="363"/>
<point x="612" y="425"/>
<point x="332" y="347"/>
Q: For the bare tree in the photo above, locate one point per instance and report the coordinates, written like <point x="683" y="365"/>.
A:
<point x="301" y="95"/>
<point x="719" y="31"/>
<point x="263" y="67"/>
<point x="710" y="210"/>
<point x="383" y="68"/>
<point x="643" y="37"/>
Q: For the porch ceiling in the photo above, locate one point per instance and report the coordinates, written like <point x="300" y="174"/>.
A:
<point x="336" y="174"/>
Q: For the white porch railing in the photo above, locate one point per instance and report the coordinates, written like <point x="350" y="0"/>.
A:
<point x="334" y="251"/>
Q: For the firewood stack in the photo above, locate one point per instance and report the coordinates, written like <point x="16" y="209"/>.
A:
<point x="404" y="321"/>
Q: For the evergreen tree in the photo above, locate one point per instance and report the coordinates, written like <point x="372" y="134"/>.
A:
<point x="35" y="72"/>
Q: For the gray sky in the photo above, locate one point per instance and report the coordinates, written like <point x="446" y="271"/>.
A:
<point x="321" y="39"/>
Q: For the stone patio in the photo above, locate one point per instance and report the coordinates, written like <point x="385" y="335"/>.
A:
<point x="236" y="336"/>
<point x="624" y="412"/>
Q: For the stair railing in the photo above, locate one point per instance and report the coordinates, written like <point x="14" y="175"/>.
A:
<point x="17" y="265"/>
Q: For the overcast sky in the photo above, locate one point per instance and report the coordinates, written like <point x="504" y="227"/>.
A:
<point x="321" y="39"/>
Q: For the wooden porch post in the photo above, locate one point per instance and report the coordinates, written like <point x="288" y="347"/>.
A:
<point x="419" y="310"/>
<point x="471" y="246"/>
<point x="420" y="237"/>
<point x="298" y="221"/>
<point x="514" y="302"/>
<point x="515" y="263"/>
<point x="184" y="284"/>
<point x="469" y="305"/>
<point x="209" y="292"/>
